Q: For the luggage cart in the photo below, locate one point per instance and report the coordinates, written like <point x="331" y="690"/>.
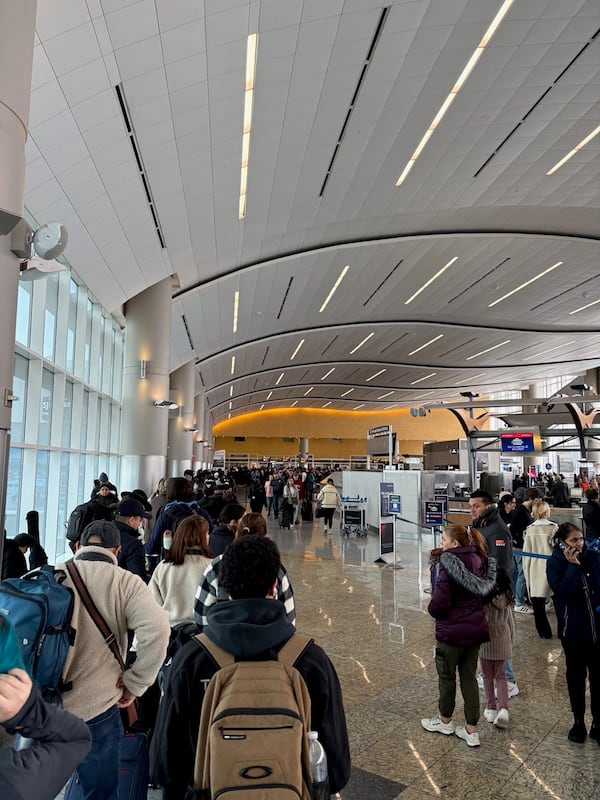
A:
<point x="353" y="519"/>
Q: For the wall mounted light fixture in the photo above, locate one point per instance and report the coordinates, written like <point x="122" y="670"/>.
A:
<point x="143" y="365"/>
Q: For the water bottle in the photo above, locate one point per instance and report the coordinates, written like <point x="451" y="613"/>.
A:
<point x="167" y="539"/>
<point x="318" y="767"/>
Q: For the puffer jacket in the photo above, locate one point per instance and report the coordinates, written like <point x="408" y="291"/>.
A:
<point x="464" y="580"/>
<point x="576" y="589"/>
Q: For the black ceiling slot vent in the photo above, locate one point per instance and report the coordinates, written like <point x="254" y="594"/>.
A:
<point x="561" y="294"/>
<point x="539" y="100"/>
<point x="265" y="356"/>
<point x="140" y="164"/>
<point x="365" y="66"/>
<point x="483" y="277"/>
<point x="187" y="330"/>
<point x="239" y="438"/>
<point x="387" y="277"/>
<point x="458" y="347"/>
<point x="287" y="291"/>
<point x="394" y="342"/>
<point x="329" y="345"/>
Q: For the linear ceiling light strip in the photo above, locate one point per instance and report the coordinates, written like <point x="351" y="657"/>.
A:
<point x="527" y="283"/>
<point x="341" y="277"/>
<point x="582" y="308"/>
<point x="488" y="350"/>
<point x="236" y="308"/>
<point x="424" y="378"/>
<point x="251" y="50"/>
<point x="360" y="344"/>
<point x="232" y="365"/>
<point x="423" y="346"/>
<point x="551" y="349"/>
<point x="431" y="280"/>
<point x="574" y="151"/>
<point x="351" y="107"/>
<point x="477" y="53"/>
<point x="297" y="350"/>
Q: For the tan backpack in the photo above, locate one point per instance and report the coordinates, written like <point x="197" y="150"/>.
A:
<point x="253" y="728"/>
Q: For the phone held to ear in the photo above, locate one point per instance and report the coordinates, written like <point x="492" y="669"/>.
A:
<point x="562" y="545"/>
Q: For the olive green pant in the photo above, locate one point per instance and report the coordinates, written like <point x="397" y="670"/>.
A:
<point x="449" y="658"/>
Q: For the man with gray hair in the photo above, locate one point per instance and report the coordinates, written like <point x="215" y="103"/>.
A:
<point x="100" y="687"/>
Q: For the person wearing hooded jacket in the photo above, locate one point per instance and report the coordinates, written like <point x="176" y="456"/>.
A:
<point x="466" y="578"/>
<point x="573" y="572"/>
<point x="251" y="627"/>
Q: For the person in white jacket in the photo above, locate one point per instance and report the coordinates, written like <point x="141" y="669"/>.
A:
<point x="538" y="538"/>
<point x="329" y="499"/>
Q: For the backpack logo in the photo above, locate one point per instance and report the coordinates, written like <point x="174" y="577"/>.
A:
<point x="256" y="773"/>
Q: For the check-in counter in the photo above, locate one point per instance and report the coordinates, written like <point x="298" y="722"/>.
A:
<point x="458" y="511"/>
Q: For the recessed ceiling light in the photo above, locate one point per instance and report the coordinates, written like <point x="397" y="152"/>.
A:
<point x="582" y="308"/>
<point x="294" y="403"/>
<point x="327" y="404"/>
<point x="232" y="364"/>
<point x="269" y="395"/>
<point x="262" y="406"/>
<point x="423" y="346"/>
<point x="308" y="391"/>
<point x="527" y="283"/>
<point x="357" y="407"/>
<point x="327" y="374"/>
<point x="387" y="394"/>
<point x="334" y="287"/>
<point x="236" y="306"/>
<point x="251" y="49"/>
<point x="231" y="391"/>
<point x="347" y="392"/>
<point x="297" y="350"/>
<point x="424" y="378"/>
<point x="229" y="415"/>
<point x="488" y="350"/>
<point x="358" y="346"/>
<point x="456" y="88"/>
<point x="279" y="379"/>
<point x="230" y="406"/>
<point x="551" y="349"/>
<point x="576" y="149"/>
<point x="381" y="371"/>
<point x="431" y="280"/>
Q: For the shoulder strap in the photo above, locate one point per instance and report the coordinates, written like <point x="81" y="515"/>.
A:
<point x="294" y="648"/>
<point x="94" y="613"/>
<point x="221" y="657"/>
<point x="289" y="653"/>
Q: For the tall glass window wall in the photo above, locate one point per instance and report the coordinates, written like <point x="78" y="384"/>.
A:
<point x="58" y="444"/>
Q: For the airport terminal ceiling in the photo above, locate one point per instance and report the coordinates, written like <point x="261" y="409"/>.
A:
<point x="433" y="164"/>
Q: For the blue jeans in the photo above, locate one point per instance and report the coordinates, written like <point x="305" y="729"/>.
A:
<point x="97" y="777"/>
<point x="276" y="501"/>
<point x="510" y="675"/>
<point x="518" y="579"/>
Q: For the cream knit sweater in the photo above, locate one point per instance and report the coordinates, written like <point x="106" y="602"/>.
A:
<point x="174" y="586"/>
<point x="125" y="602"/>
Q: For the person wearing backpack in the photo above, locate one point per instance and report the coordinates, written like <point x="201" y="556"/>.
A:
<point x="180" y="504"/>
<point x="59" y="740"/>
<point x="101" y="686"/>
<point x="248" y="628"/>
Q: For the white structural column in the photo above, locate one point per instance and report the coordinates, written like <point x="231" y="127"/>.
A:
<point x="180" y="441"/>
<point x="17" y="30"/>
<point x="199" y="417"/>
<point x="209" y="450"/>
<point x="146" y="381"/>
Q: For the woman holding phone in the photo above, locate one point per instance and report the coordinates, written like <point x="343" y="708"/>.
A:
<point x="573" y="573"/>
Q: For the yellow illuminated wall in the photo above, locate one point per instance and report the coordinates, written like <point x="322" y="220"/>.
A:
<point x="264" y="431"/>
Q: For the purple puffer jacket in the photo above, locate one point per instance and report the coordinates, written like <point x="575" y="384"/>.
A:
<point x="465" y="579"/>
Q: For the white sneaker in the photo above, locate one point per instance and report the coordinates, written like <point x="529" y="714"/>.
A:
<point x="501" y="720"/>
<point x="513" y="689"/>
<point x="437" y="725"/>
<point x="472" y="739"/>
<point x="490" y="714"/>
<point x="522" y="610"/>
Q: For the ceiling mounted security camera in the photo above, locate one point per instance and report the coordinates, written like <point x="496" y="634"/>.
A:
<point x="50" y="240"/>
<point x="38" y="249"/>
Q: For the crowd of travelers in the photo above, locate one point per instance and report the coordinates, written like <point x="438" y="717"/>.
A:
<point x="156" y="572"/>
<point x="184" y="583"/>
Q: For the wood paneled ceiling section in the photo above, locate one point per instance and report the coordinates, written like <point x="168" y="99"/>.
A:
<point x="344" y="92"/>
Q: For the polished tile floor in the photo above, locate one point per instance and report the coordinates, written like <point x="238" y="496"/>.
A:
<point x="372" y="621"/>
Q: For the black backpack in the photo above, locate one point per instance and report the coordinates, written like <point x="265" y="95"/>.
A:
<point x="81" y="516"/>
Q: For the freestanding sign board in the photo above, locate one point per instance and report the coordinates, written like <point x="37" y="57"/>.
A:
<point x="386" y="521"/>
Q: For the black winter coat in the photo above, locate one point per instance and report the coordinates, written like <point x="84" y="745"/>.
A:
<point x="576" y="591"/>
<point x="14" y="563"/>
<point x="131" y="555"/>
<point x="497" y="538"/>
<point x="61" y="742"/>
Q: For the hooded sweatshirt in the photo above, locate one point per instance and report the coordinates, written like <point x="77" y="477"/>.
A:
<point x="249" y="629"/>
<point x="464" y="580"/>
